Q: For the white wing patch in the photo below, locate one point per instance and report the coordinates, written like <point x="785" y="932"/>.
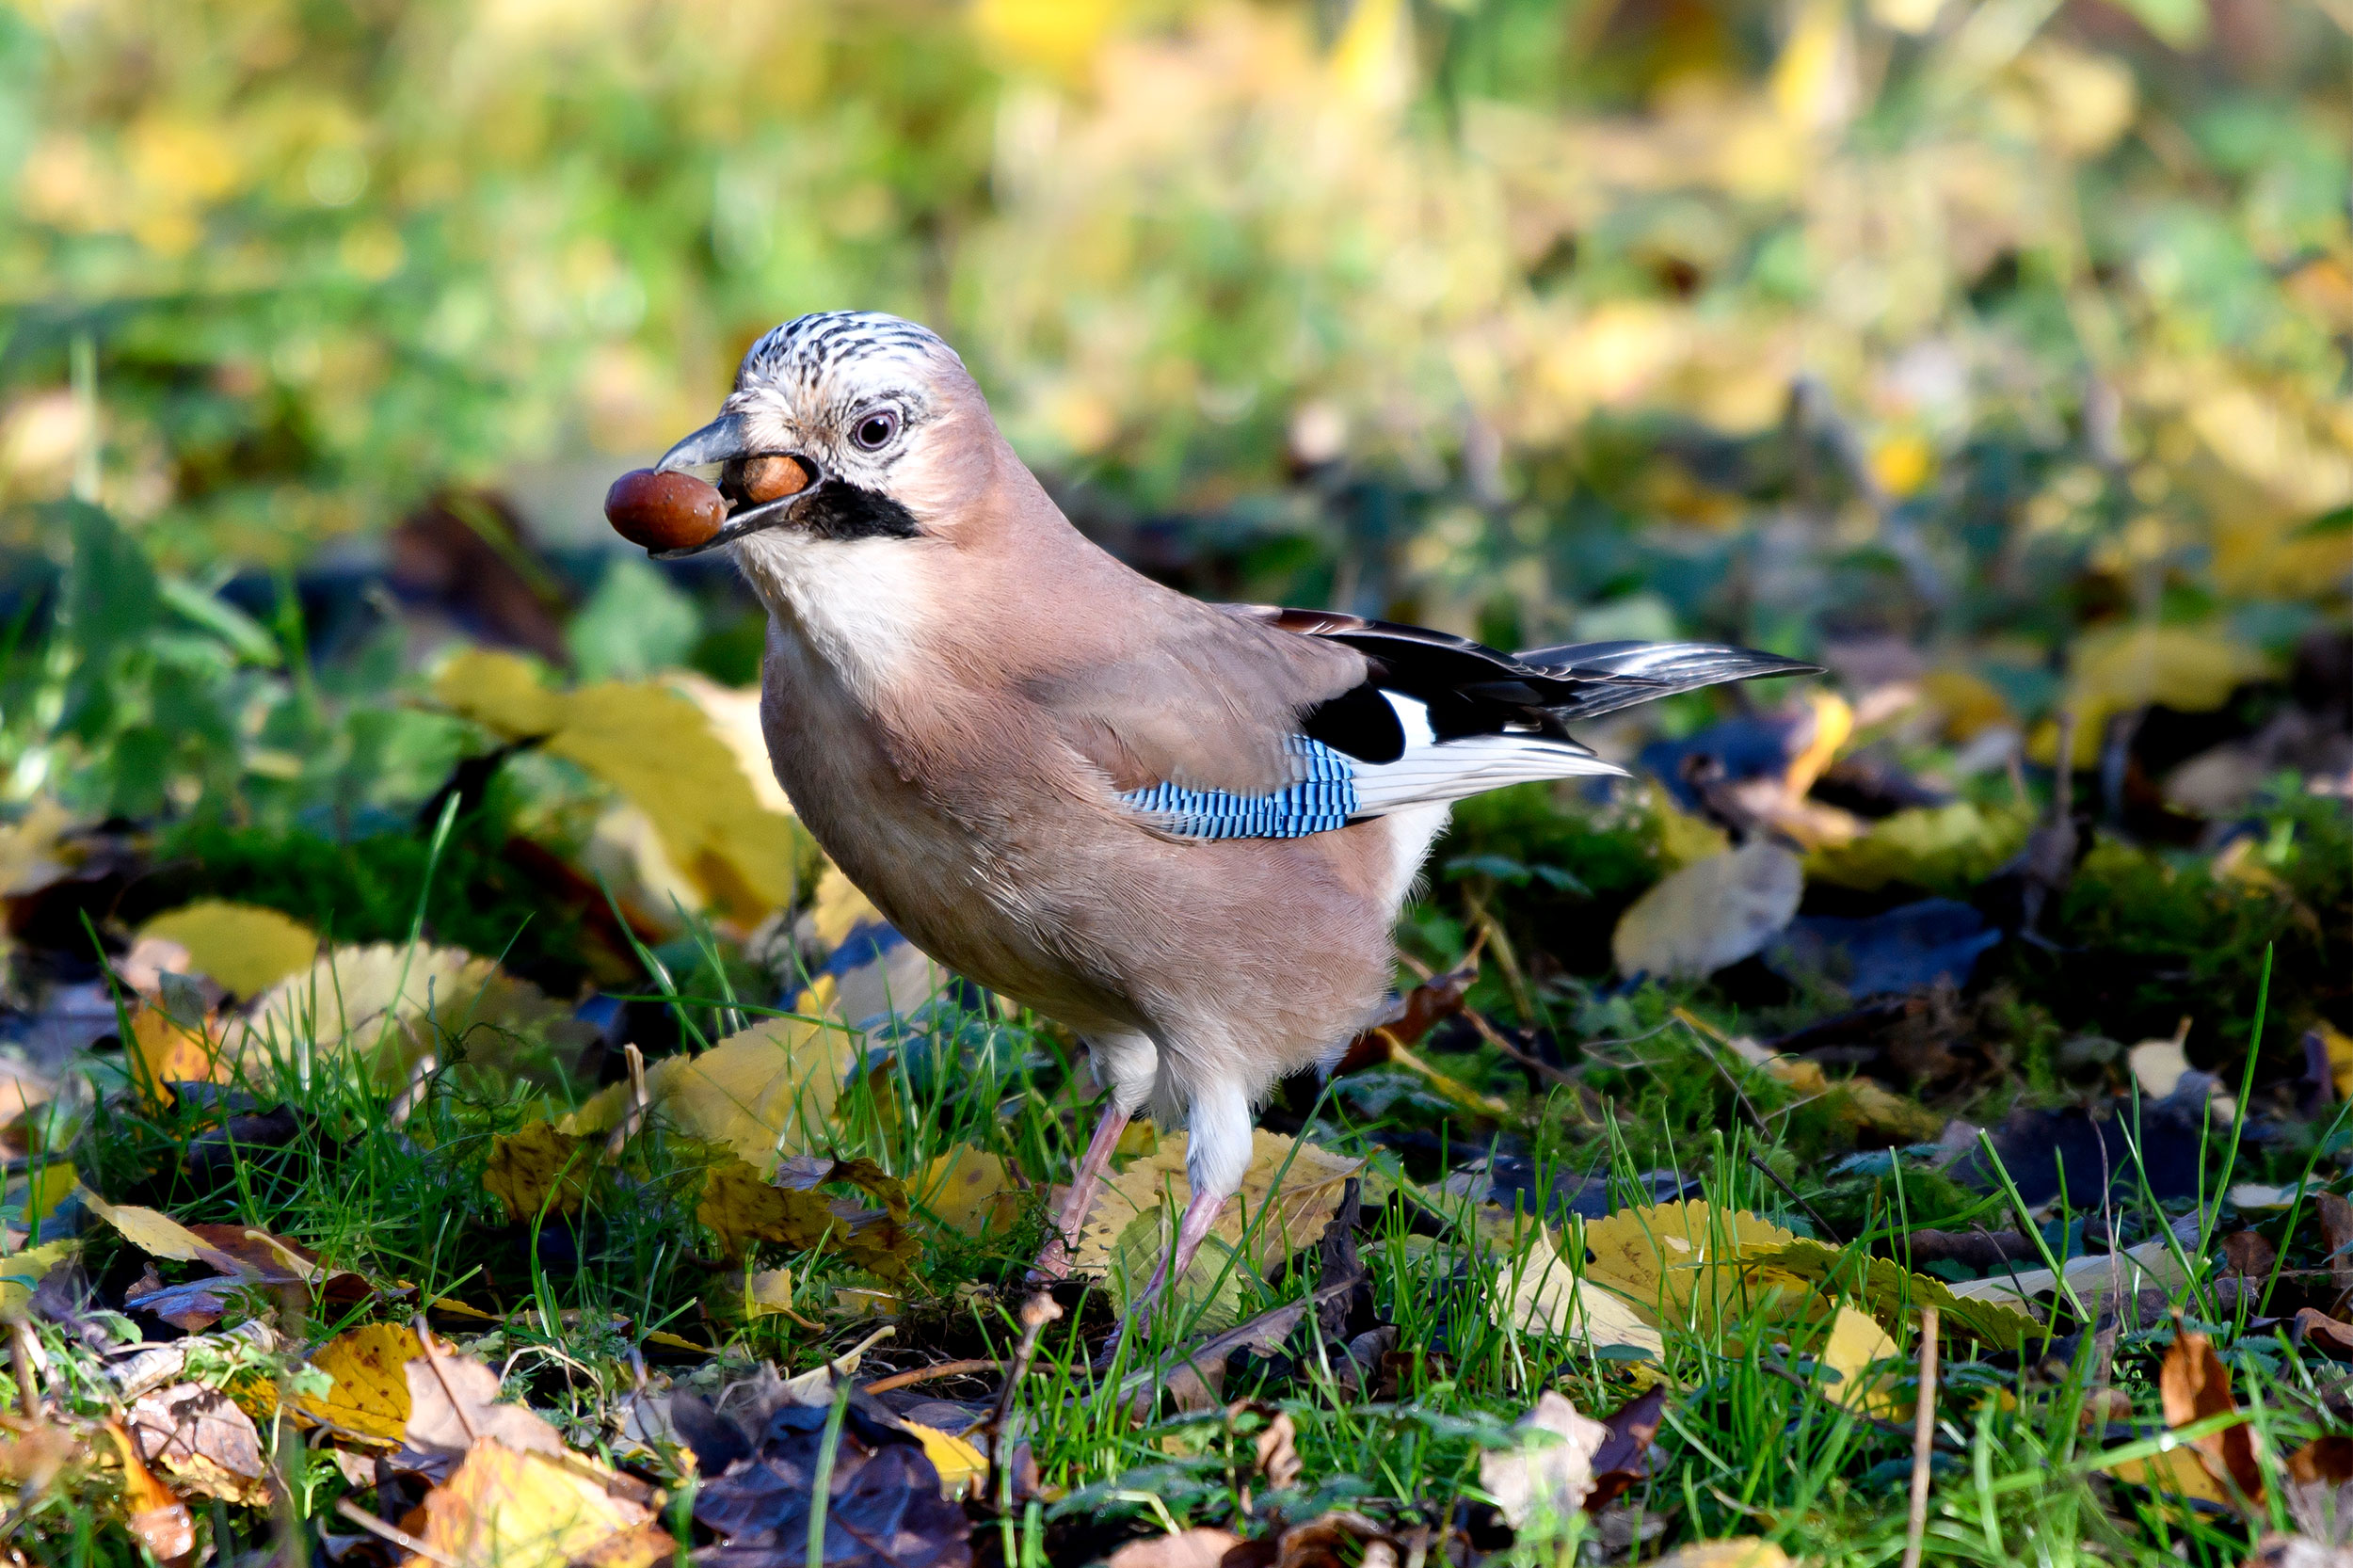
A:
<point x="1435" y="771"/>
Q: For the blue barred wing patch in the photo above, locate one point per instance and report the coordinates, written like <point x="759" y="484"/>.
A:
<point x="1323" y="798"/>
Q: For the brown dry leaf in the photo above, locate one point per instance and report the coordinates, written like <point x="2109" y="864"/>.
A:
<point x="527" y="1166"/>
<point x="245" y="947"/>
<point x="1276" y="1451"/>
<point x="2319" y="1489"/>
<point x="1310" y="1192"/>
<point x="1199" y="1547"/>
<point x="198" y="1437"/>
<point x="2331" y="1337"/>
<point x="31" y="1456"/>
<point x="2196" y="1384"/>
<point x="1710" y="914"/>
<point x="971" y="1191"/>
<point x="1541" y="1484"/>
<point x="645" y="1545"/>
<point x="159" y="1518"/>
<point x="521" y="1509"/>
<point x="2250" y="1255"/>
<point x="453" y="1403"/>
<point x="656" y="747"/>
<point x="2334" y="1216"/>
<point x="370" y="1397"/>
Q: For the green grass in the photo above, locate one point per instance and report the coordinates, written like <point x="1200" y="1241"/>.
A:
<point x="1750" y="1446"/>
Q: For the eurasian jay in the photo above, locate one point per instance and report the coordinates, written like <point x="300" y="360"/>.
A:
<point x="1183" y="829"/>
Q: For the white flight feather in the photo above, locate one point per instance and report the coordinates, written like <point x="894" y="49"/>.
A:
<point x="1435" y="771"/>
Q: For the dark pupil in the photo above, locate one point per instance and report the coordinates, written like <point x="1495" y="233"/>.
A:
<point x="873" y="432"/>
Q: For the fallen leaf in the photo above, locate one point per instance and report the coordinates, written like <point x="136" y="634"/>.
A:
<point x="1199" y="1547"/>
<point x="2190" y="669"/>
<point x="391" y="1006"/>
<point x="161" y="1052"/>
<point x="2330" y="1336"/>
<point x="2090" y="1279"/>
<point x="1740" y="1551"/>
<point x="1313" y="1181"/>
<point x="1895" y="1293"/>
<point x="1679" y="1263"/>
<point x="245" y="947"/>
<point x="525" y="1167"/>
<point x="1623" y="1459"/>
<point x="158" y="1235"/>
<point x="2195" y="1385"/>
<point x="2319" y="1487"/>
<point x="2177" y="1472"/>
<point x="762" y="1092"/>
<point x="885" y="1508"/>
<point x="369" y="1398"/>
<point x="1541" y="1484"/>
<point x="159" y="1519"/>
<point x="738" y="1207"/>
<point x="31" y="1455"/>
<point x="454" y="1404"/>
<point x="2333" y="1214"/>
<point x="200" y="1437"/>
<point x="971" y="1191"/>
<point x="1857" y="1346"/>
<point x="1946" y="849"/>
<point x="22" y="1270"/>
<point x="963" y="1469"/>
<point x="521" y="1509"/>
<point x="646" y="1545"/>
<point x="1538" y="1291"/>
<point x="1909" y="947"/>
<point x="2248" y="1254"/>
<point x="656" y="747"/>
<point x="1209" y="1298"/>
<point x="1710" y="914"/>
<point x="1275" y="1451"/>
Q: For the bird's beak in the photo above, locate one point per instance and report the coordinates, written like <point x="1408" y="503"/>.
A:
<point x="721" y="441"/>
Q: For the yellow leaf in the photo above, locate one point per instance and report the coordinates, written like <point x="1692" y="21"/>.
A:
<point x="969" y="1191"/>
<point x="522" y="1510"/>
<point x="525" y="1167"/>
<point x="2174" y="1472"/>
<point x="165" y="1051"/>
<point x="1683" y="838"/>
<point x="159" y="1234"/>
<point x="392" y="1007"/>
<point x="20" y="1270"/>
<point x="963" y="1469"/>
<point x="769" y="1290"/>
<point x="839" y="908"/>
<point x="2340" y="1048"/>
<point x="738" y="1207"/>
<point x="1671" y="1259"/>
<point x="1311" y="1193"/>
<point x="1209" y="1295"/>
<point x="1971" y="704"/>
<point x="1893" y="1293"/>
<point x="245" y="947"/>
<point x="1903" y="463"/>
<point x="2090" y="1279"/>
<point x="1943" y="849"/>
<point x="1833" y="722"/>
<point x="1740" y="1551"/>
<point x="46" y="1187"/>
<point x="2194" y="669"/>
<point x="33" y="852"/>
<point x="1055" y="36"/>
<point x="656" y="747"/>
<point x="370" y="1397"/>
<point x="1856" y="1345"/>
<point x="1539" y="1292"/>
<point x="1710" y="914"/>
<point x="763" y="1091"/>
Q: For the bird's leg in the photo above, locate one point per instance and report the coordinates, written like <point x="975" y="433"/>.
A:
<point x="1200" y="1218"/>
<point x="1054" y="1260"/>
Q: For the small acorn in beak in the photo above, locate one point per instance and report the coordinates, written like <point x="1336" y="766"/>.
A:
<point x="672" y="512"/>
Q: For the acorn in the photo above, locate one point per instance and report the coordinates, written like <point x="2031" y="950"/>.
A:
<point x="760" y="480"/>
<point x="665" y="511"/>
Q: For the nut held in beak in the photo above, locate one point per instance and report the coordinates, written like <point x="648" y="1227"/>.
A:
<point x="760" y="480"/>
<point x="664" y="511"/>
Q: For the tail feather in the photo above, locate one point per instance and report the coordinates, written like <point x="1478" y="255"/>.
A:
<point x="1612" y="676"/>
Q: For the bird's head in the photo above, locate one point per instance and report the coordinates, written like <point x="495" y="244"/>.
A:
<point x="844" y="426"/>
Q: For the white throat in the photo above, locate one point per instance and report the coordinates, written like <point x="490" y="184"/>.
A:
<point x="856" y="605"/>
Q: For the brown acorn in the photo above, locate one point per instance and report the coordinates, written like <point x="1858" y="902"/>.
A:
<point x="665" y="511"/>
<point x="760" y="480"/>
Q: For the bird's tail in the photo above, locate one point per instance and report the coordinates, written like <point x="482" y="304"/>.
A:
<point x="1611" y="676"/>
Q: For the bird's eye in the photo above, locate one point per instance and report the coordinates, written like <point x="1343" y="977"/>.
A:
<point x="874" y="431"/>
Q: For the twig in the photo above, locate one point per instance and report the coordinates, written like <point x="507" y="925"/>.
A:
<point x="1791" y="1193"/>
<point x="393" y="1533"/>
<point x="928" y="1375"/>
<point x="1038" y="1311"/>
<point x="1923" y="1441"/>
<point x="433" y="1362"/>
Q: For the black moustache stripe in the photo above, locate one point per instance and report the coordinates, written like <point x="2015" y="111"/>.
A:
<point x="840" y="510"/>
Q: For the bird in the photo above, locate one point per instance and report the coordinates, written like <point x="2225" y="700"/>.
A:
<point x="1184" y="830"/>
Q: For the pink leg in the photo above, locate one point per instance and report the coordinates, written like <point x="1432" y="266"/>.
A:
<point x="1200" y="1216"/>
<point x="1054" y="1260"/>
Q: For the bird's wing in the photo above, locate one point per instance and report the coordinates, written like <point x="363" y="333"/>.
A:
<point x="1437" y="718"/>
